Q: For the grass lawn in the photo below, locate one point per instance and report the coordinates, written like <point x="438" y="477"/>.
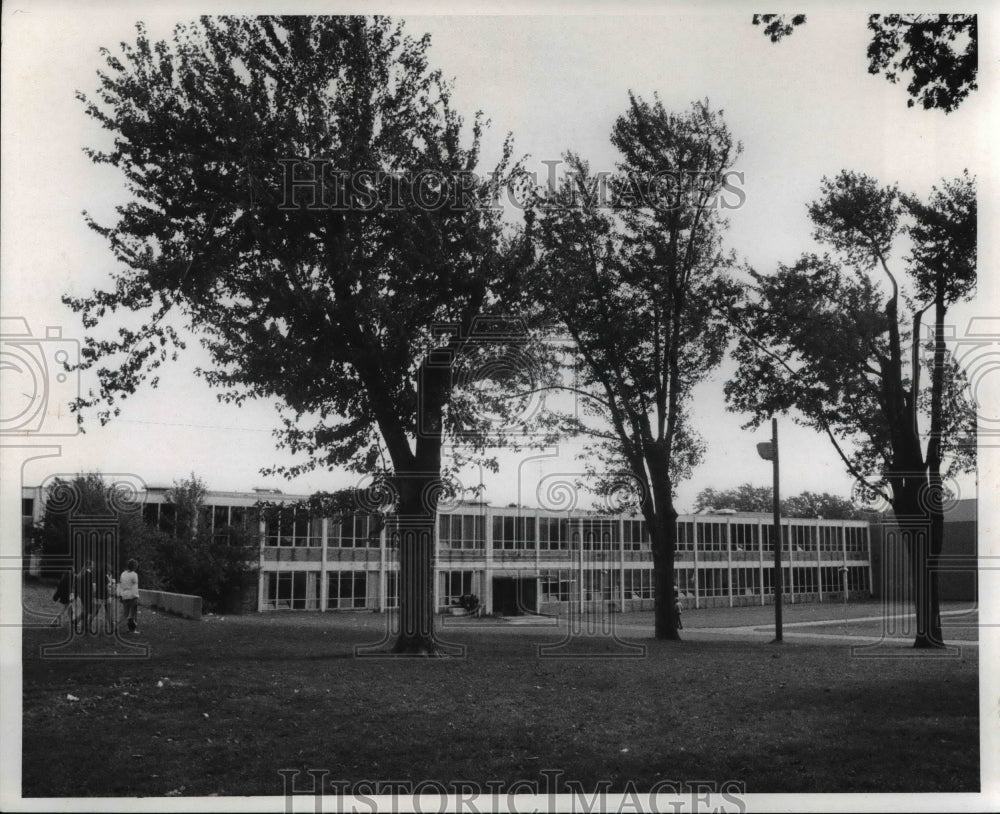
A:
<point x="222" y="705"/>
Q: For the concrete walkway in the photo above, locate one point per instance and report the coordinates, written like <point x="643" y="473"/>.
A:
<point x="766" y="632"/>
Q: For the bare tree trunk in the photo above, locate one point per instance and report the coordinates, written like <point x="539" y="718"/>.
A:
<point x="915" y="521"/>
<point x="414" y="536"/>
<point x="663" y="531"/>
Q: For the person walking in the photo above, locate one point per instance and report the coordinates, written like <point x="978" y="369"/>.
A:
<point x="64" y="594"/>
<point x="106" y="598"/>
<point x="86" y="589"/>
<point x="128" y="590"/>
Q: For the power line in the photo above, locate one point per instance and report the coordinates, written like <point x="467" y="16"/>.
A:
<point x="195" y="426"/>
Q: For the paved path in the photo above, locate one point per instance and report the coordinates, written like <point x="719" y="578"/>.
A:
<point x="758" y="631"/>
<point x="766" y="632"/>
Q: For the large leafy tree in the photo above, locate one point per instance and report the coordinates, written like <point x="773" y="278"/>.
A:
<point x="938" y="52"/>
<point x="630" y="266"/>
<point x="302" y="197"/>
<point x="839" y="341"/>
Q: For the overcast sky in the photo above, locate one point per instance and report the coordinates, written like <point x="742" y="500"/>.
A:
<point x="803" y="109"/>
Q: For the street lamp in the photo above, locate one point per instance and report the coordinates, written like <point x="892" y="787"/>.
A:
<point x="768" y="450"/>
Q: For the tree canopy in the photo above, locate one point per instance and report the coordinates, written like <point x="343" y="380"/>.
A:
<point x="838" y="342"/>
<point x="304" y="198"/>
<point x="749" y="498"/>
<point x="631" y="268"/>
<point x="938" y="52"/>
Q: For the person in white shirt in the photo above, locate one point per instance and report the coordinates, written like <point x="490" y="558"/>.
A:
<point x="128" y="590"/>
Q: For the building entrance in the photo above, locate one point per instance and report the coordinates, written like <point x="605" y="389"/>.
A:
<point x="514" y="596"/>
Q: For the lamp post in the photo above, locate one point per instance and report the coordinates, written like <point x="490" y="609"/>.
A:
<point x="768" y="450"/>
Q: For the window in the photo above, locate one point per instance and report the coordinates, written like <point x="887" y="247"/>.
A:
<point x="746" y="581"/>
<point x="830" y="538"/>
<point x="600" y="534"/>
<point x="857" y="577"/>
<point x="768" y="537"/>
<point x="27" y="507"/>
<point x="288" y="527"/>
<point x="512" y="533"/>
<point x="225" y="519"/>
<point x="553" y="533"/>
<point x="685" y="536"/>
<point x="638" y="583"/>
<point x="805" y="580"/>
<point x="220" y="518"/>
<point x="151" y="514"/>
<point x="830" y="579"/>
<point x="802" y="537"/>
<point x="292" y="590"/>
<point x="466" y="531"/>
<point x="392" y="589"/>
<point x="597" y="584"/>
<point x="713" y="582"/>
<point x="744" y="537"/>
<point x="636" y="537"/>
<point x="556" y="585"/>
<point x="769" y="581"/>
<point x="856" y="538"/>
<point x="454" y="585"/>
<point x="711" y="536"/>
<point x="346" y="589"/>
<point x="356" y="531"/>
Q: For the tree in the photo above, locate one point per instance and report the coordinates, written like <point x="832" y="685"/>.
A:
<point x="823" y="339"/>
<point x="302" y="200"/>
<point x="85" y="496"/>
<point x="821" y="504"/>
<point x="744" y="498"/>
<point x="83" y="501"/>
<point x="940" y="52"/>
<point x="635" y="281"/>
<point x="195" y="559"/>
<point x="750" y="498"/>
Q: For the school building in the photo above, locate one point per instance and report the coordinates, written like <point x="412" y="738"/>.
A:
<point x="525" y="560"/>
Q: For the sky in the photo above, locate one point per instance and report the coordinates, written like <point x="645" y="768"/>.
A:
<point x="803" y="109"/>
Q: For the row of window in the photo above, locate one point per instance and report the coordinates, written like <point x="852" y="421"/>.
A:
<point x="468" y="531"/>
<point x="750" y="581"/>
<point x="711" y="536"/>
<point x="300" y="590"/>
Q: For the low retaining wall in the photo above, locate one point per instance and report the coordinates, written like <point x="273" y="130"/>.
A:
<point x="184" y="605"/>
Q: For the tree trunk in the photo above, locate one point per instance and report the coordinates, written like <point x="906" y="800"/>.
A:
<point x="914" y="517"/>
<point x="663" y="531"/>
<point x="929" y="634"/>
<point x="413" y="533"/>
<point x="925" y="589"/>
